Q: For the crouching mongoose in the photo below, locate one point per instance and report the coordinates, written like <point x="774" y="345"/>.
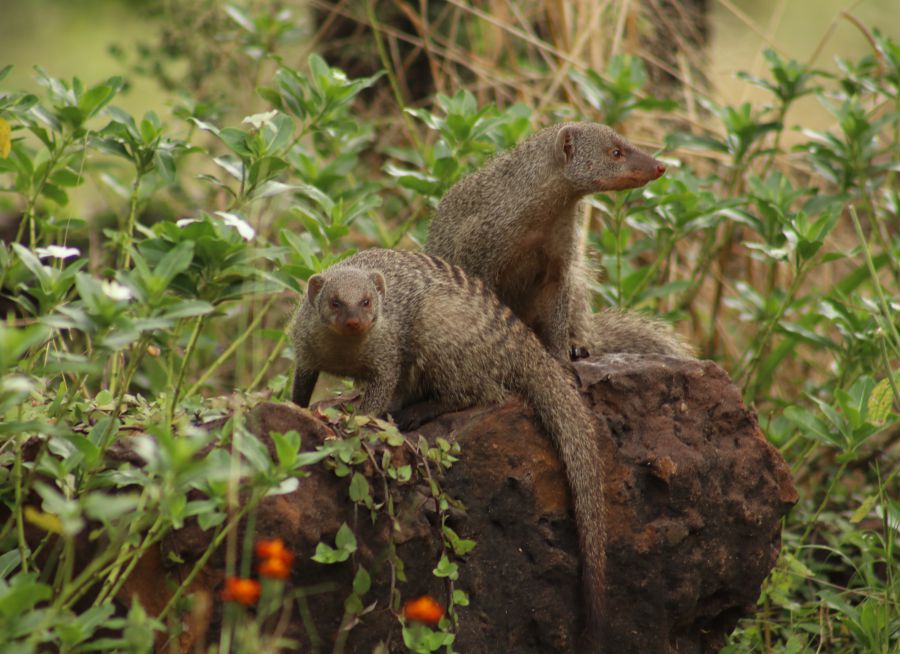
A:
<point x="413" y="327"/>
<point x="513" y="223"/>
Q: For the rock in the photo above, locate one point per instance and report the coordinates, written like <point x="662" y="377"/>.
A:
<point x="695" y="496"/>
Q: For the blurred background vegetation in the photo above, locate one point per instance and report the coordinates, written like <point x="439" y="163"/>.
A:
<point x="75" y="38"/>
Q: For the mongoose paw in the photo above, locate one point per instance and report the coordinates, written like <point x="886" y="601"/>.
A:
<point x="416" y="415"/>
<point x="578" y="352"/>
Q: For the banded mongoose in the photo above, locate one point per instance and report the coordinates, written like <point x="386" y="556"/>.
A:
<point x="414" y="327"/>
<point x="513" y="223"/>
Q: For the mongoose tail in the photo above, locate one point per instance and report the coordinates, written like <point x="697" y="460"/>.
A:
<point x="413" y="327"/>
<point x="571" y="426"/>
<point x="616" y="330"/>
<point x="514" y="224"/>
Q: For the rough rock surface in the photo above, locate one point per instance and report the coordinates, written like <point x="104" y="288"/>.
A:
<point x="694" y="493"/>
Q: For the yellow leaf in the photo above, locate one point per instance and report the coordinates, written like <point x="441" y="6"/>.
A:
<point x="46" y="521"/>
<point x="5" y="138"/>
<point x="863" y="509"/>
<point x="880" y="402"/>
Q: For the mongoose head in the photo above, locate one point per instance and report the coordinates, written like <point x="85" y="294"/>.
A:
<point x="348" y="300"/>
<point x="594" y="158"/>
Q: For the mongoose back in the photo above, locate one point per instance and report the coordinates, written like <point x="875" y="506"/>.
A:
<point x="513" y="223"/>
<point x="414" y="327"/>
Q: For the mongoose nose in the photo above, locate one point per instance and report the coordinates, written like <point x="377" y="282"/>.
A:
<point x="660" y="169"/>
<point x="352" y="324"/>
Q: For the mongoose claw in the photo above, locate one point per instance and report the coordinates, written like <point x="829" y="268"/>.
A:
<point x="578" y="352"/>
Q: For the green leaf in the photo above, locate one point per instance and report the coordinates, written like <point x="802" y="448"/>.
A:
<point x="16" y="341"/>
<point x="353" y="604"/>
<point x="446" y="568"/>
<point x="812" y="427"/>
<point x="345" y="539"/>
<point x="287" y="446"/>
<point x="460" y="598"/>
<point x="21" y="595"/>
<point x="10" y="560"/>
<point x="107" y="507"/>
<point x="359" y="489"/>
<point x="99" y="96"/>
<point x="53" y="192"/>
<point x="327" y="554"/>
<point x="175" y="261"/>
<point x="187" y="309"/>
<point x="460" y="546"/>
<point x="362" y="582"/>
<point x="346" y="545"/>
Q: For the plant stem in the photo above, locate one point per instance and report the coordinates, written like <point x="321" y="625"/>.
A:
<point x="273" y="356"/>
<point x="125" y="253"/>
<point x="392" y="77"/>
<point x="698" y="276"/>
<point x="235" y="344"/>
<point x="759" y="347"/>
<point x="154" y="534"/>
<point x="28" y="216"/>
<point x="188" y="352"/>
<point x="201" y="562"/>
<point x="885" y="308"/>
<point x="812" y="521"/>
<point x="20" y="503"/>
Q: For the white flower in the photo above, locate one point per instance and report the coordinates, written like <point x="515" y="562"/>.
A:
<point x="17" y="384"/>
<point x="57" y="252"/>
<point x="115" y="290"/>
<point x="258" y="120"/>
<point x="234" y="220"/>
<point x="186" y="221"/>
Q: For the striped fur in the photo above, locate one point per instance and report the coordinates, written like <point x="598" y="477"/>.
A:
<point x="442" y="335"/>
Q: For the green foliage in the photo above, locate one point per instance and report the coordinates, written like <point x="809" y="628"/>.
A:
<point x="156" y="261"/>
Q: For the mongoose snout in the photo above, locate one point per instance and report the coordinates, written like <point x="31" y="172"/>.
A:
<point x="353" y="327"/>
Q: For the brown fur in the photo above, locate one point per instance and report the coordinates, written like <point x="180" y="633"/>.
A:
<point x="432" y="332"/>
<point x="513" y="223"/>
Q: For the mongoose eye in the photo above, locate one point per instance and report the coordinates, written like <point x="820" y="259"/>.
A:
<point x="335" y="303"/>
<point x="364" y="303"/>
<point x="616" y="153"/>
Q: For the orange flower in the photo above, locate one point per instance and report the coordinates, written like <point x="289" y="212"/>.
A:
<point x="423" y="609"/>
<point x="276" y="559"/>
<point x="275" y="568"/>
<point x="274" y="549"/>
<point x="245" y="591"/>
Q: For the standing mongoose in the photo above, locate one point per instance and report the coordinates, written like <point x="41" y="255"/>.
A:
<point x="513" y="223"/>
<point x="413" y="327"/>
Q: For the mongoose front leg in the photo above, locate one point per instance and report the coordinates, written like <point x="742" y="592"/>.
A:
<point x="304" y="383"/>
<point x="579" y="320"/>
<point x="381" y="388"/>
<point x="556" y="322"/>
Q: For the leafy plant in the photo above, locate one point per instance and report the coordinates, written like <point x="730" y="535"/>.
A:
<point x="156" y="261"/>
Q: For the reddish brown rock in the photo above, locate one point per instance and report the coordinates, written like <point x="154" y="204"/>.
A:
<point x="694" y="492"/>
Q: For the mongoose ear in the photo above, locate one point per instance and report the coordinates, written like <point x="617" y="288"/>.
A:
<point x="565" y="144"/>
<point x="313" y="286"/>
<point x="378" y="279"/>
